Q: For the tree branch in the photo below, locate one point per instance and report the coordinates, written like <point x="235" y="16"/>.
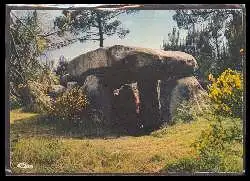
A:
<point x="74" y="39"/>
<point x="24" y="25"/>
<point x="13" y="92"/>
<point x="27" y="29"/>
<point x="49" y="34"/>
<point x="12" y="38"/>
<point x="117" y="14"/>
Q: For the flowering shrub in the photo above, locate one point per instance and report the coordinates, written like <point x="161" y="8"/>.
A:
<point x="70" y="104"/>
<point x="227" y="92"/>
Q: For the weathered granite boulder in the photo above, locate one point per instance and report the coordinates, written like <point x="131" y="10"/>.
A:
<point x="71" y="84"/>
<point x="165" y="88"/>
<point x="100" y="99"/>
<point x="175" y="91"/>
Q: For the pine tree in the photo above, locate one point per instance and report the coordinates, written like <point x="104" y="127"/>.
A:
<point x="93" y="24"/>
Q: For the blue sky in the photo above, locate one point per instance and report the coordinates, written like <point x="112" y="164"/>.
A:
<point x="148" y="28"/>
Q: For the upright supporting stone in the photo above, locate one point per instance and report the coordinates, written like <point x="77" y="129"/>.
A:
<point x="100" y="98"/>
<point x="185" y="89"/>
<point x="166" y="87"/>
<point x="149" y="104"/>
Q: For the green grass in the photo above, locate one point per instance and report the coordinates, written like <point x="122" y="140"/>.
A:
<point x="38" y="143"/>
<point x="18" y="115"/>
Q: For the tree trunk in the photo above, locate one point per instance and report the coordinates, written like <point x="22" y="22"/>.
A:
<point x="217" y="48"/>
<point x="244" y="27"/>
<point x="99" y="21"/>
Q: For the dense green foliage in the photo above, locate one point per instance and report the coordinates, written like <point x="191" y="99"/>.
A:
<point x="214" y="38"/>
<point x="30" y="79"/>
<point x="34" y="93"/>
<point x="25" y="46"/>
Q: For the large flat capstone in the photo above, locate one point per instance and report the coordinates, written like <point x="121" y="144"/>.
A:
<point x="135" y="56"/>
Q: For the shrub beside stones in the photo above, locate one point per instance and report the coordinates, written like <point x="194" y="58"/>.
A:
<point x="70" y="104"/>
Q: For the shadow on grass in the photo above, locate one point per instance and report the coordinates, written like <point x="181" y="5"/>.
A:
<point x="30" y="127"/>
<point x="43" y="126"/>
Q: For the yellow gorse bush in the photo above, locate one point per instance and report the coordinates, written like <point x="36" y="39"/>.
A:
<point x="70" y="104"/>
<point x="227" y="92"/>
